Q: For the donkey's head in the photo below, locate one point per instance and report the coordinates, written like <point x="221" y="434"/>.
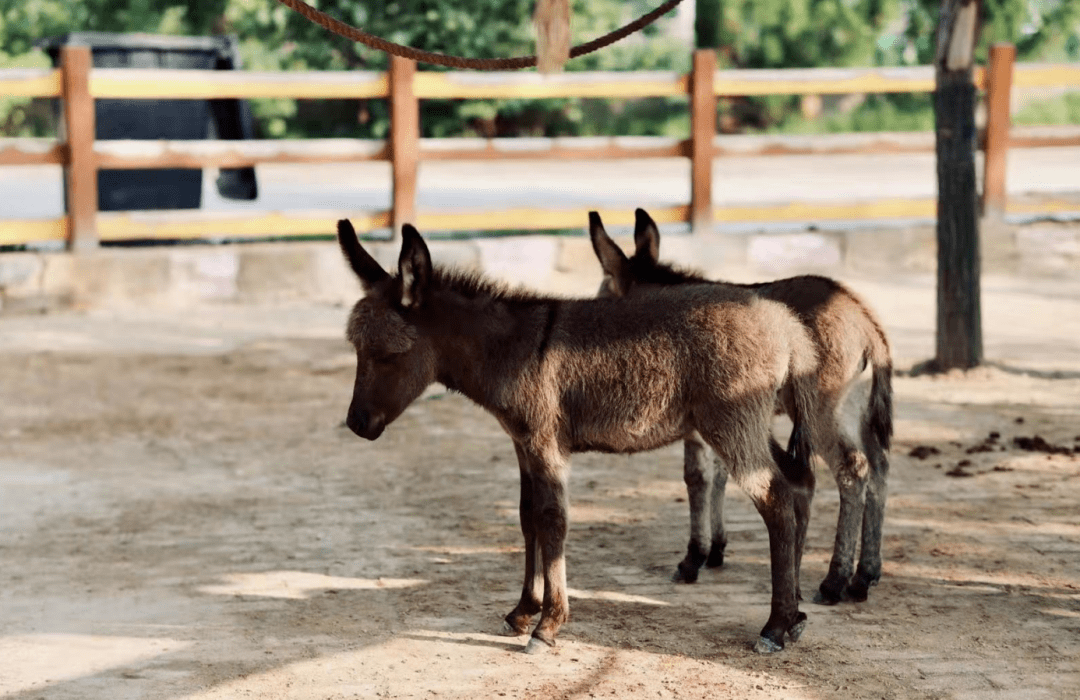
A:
<point x="621" y="273"/>
<point x="643" y="269"/>
<point x="394" y="361"/>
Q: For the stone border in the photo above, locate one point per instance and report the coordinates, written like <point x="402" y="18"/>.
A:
<point x="313" y="271"/>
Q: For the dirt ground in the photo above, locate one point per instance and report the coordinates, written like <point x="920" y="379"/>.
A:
<point x="183" y="515"/>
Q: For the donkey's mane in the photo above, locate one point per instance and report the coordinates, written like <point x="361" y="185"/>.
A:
<point x="649" y="272"/>
<point x="473" y="285"/>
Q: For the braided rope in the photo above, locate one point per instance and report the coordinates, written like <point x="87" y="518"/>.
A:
<point x="370" y="40"/>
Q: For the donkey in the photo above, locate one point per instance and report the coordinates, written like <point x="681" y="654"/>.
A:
<point x="575" y="375"/>
<point x="853" y="436"/>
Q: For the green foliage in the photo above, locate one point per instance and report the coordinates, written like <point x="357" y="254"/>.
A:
<point x="804" y="33"/>
<point x="274" y="38"/>
<point x="796" y="34"/>
<point x="913" y="112"/>
<point x="22" y="116"/>
<point x="1064" y="109"/>
<point x="23" y="22"/>
<point x="755" y="34"/>
<point x="792" y="33"/>
<point x="1043" y="30"/>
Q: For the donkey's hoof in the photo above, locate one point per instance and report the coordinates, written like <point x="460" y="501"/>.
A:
<point x="836" y="588"/>
<point x="797" y="630"/>
<point x="507" y="630"/>
<point x="828" y="594"/>
<point x="685" y="573"/>
<point x="765" y="645"/>
<point x="716" y="557"/>
<point x="859" y="588"/>
<point x="857" y="593"/>
<point x="537" y="646"/>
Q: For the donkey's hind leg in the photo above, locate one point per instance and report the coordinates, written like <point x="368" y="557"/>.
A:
<point x="518" y="620"/>
<point x="777" y="508"/>
<point x="868" y="572"/>
<point x="699" y="486"/>
<point x="773" y="488"/>
<point x="851" y="472"/>
<point x="851" y="481"/>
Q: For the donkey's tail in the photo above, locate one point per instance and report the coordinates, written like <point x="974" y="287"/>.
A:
<point x="802" y="369"/>
<point x="879" y="415"/>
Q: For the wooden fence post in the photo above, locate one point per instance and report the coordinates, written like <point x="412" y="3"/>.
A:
<point x="404" y="142"/>
<point x="998" y="118"/>
<point x="959" y="313"/>
<point x="702" y="131"/>
<point x="80" y="169"/>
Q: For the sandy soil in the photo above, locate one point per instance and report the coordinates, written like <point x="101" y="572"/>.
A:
<point x="189" y="519"/>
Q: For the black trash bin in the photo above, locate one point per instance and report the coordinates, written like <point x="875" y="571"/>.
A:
<point x="134" y="190"/>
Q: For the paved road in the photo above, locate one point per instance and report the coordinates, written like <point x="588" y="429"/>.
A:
<point x="36" y="191"/>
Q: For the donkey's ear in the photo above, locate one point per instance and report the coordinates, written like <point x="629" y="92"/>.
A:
<point x="414" y="267"/>
<point x="646" y="237"/>
<point x="365" y="267"/>
<point x="613" y="261"/>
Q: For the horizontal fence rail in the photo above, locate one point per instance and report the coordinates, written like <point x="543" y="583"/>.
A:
<point x="827" y="81"/>
<point x="207" y="84"/>
<point x="239" y="154"/>
<point x="1063" y="75"/>
<point x="77" y="85"/>
<point x="165" y="83"/>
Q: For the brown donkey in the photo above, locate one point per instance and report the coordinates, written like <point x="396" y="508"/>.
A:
<point x="853" y="437"/>
<point x="611" y="375"/>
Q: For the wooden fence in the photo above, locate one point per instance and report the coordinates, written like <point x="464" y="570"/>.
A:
<point x="78" y="85"/>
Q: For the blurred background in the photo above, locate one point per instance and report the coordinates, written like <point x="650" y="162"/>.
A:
<point x="755" y="34"/>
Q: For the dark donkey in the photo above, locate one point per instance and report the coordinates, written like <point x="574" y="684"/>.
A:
<point x="852" y="437"/>
<point x="612" y="375"/>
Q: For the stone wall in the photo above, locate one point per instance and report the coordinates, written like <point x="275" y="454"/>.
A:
<point x="314" y="271"/>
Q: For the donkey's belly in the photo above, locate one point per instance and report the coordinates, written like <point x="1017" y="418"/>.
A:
<point x="613" y="447"/>
<point x="625" y="436"/>
<point x="619" y="413"/>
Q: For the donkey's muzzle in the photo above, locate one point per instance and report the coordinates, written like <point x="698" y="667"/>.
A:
<point x="363" y="424"/>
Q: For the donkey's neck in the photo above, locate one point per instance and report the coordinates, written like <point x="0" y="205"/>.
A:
<point x="481" y="344"/>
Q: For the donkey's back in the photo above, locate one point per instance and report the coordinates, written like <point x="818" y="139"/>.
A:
<point x="627" y="377"/>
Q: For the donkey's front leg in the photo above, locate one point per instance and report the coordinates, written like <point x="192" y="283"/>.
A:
<point x="518" y="620"/>
<point x="802" y="483"/>
<point x="551" y="510"/>
<point x="716" y="508"/>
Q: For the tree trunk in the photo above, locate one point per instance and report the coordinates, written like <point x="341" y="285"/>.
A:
<point x="707" y="24"/>
<point x="959" y="317"/>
